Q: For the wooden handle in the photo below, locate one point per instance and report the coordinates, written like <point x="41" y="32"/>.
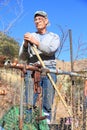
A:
<point x="52" y="81"/>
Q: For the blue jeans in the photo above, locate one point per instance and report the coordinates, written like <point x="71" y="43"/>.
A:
<point x="85" y="102"/>
<point x="1" y="128"/>
<point x="48" y="92"/>
<point x="28" y="88"/>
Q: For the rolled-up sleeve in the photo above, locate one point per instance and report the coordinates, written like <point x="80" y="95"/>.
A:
<point x="24" y="52"/>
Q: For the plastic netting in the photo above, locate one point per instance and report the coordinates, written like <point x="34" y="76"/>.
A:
<point x="10" y="120"/>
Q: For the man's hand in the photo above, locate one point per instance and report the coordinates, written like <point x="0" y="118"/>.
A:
<point x="29" y="38"/>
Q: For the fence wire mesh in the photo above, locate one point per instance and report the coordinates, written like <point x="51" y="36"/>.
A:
<point x="71" y="89"/>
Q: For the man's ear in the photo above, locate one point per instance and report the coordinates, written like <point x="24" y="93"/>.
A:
<point x="46" y="21"/>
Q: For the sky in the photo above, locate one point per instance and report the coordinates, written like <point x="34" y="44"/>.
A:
<point x="63" y="15"/>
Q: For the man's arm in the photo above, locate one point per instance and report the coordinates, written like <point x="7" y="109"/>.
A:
<point x="28" y="37"/>
<point x="24" y="52"/>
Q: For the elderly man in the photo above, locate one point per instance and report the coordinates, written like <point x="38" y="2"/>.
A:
<point x="47" y="44"/>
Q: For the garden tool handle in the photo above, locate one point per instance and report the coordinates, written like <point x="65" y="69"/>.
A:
<point x="53" y="83"/>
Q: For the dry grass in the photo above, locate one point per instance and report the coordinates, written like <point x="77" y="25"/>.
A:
<point x="11" y="81"/>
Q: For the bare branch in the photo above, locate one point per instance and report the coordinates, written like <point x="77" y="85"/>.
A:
<point x="4" y="2"/>
<point x="62" y="40"/>
<point x="15" y="14"/>
<point x="81" y="49"/>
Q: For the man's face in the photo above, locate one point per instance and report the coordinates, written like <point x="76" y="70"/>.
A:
<point x="40" y="22"/>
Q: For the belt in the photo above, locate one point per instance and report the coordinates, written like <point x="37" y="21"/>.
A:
<point x="34" y="58"/>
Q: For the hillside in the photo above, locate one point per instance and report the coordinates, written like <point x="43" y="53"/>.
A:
<point x="8" y="46"/>
<point x="78" y="65"/>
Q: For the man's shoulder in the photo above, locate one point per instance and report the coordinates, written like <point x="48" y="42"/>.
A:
<point x="48" y="34"/>
<point x="33" y="33"/>
<point x="53" y="34"/>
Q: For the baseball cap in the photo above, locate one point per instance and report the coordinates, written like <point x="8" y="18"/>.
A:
<point x="41" y="13"/>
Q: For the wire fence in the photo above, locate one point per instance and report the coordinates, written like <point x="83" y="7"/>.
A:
<point x="72" y="92"/>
